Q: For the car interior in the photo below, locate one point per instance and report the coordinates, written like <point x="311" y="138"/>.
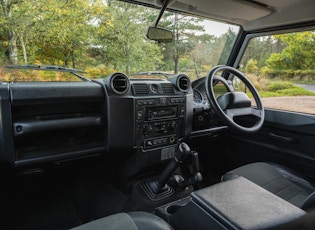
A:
<point x="123" y="152"/>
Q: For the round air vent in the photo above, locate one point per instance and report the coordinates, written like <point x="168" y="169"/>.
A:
<point x="183" y="83"/>
<point x="119" y="83"/>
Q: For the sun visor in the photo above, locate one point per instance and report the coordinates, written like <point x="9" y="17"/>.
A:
<point x="233" y="11"/>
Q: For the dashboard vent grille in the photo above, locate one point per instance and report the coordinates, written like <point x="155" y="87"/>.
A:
<point x="140" y="89"/>
<point x="183" y="83"/>
<point x="167" y="88"/>
<point x="120" y="83"/>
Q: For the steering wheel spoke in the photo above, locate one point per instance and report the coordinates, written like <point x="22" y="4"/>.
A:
<point x="238" y="112"/>
<point x="235" y="104"/>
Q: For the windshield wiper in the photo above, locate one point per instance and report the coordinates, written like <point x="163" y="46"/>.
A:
<point x="51" y="68"/>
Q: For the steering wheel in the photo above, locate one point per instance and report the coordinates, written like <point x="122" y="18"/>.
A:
<point x="234" y="104"/>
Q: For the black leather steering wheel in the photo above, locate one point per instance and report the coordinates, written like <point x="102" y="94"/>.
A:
<point x="234" y="104"/>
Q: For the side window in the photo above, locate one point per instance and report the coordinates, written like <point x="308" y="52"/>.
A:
<point x="282" y="68"/>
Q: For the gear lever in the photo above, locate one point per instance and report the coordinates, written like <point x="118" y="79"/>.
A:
<point x="157" y="189"/>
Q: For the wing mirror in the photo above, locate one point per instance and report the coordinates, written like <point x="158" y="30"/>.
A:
<point x="159" y="34"/>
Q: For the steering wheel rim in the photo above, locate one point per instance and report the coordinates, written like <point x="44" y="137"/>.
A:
<point x="227" y="116"/>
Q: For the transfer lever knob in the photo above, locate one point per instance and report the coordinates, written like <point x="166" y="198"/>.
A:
<point x="183" y="153"/>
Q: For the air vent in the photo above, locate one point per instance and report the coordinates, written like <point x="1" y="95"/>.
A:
<point x="140" y="89"/>
<point x="183" y="83"/>
<point x="167" y="88"/>
<point x="120" y="83"/>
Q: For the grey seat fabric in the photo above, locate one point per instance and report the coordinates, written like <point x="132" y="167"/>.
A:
<point x="281" y="181"/>
<point x="127" y="221"/>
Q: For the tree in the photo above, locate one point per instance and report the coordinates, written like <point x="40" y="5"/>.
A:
<point x="65" y="30"/>
<point x="184" y="28"/>
<point x="261" y="48"/>
<point x="124" y="44"/>
<point x="55" y="32"/>
<point x="297" y="55"/>
<point x="7" y="23"/>
<point x="203" y="46"/>
<point x="251" y="66"/>
<point x="225" y="45"/>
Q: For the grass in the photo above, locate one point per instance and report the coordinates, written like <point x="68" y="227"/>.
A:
<point x="269" y="88"/>
<point x="305" y="82"/>
<point x="287" y="92"/>
<point x="285" y="88"/>
<point x="282" y="89"/>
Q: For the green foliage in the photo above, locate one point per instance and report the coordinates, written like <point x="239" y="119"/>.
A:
<point x="275" y="86"/>
<point x="100" y="71"/>
<point x="125" y="47"/>
<point x="251" y="66"/>
<point x="297" y="55"/>
<point x="284" y="88"/>
<point x="184" y="28"/>
<point x="13" y="75"/>
<point x="103" y="36"/>
<point x="295" y="92"/>
<point x="289" y="74"/>
<point x="261" y="48"/>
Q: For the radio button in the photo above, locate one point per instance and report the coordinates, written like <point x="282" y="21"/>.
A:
<point x="182" y="111"/>
<point x="163" y="101"/>
<point x="147" y="129"/>
<point x="139" y="115"/>
<point x="149" y="143"/>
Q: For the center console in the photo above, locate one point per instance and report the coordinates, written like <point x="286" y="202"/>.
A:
<point x="233" y="204"/>
<point x="159" y="121"/>
<point x="147" y="118"/>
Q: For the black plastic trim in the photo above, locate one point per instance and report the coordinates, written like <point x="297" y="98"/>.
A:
<point x="23" y="93"/>
<point x="27" y="127"/>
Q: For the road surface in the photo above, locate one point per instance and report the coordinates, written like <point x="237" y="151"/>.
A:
<point x="302" y="104"/>
<point x="308" y="87"/>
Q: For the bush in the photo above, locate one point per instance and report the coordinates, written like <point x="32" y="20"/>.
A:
<point x="251" y="66"/>
<point x="296" y="75"/>
<point x="275" y="86"/>
<point x="298" y="91"/>
<point x="285" y="89"/>
<point x="99" y="71"/>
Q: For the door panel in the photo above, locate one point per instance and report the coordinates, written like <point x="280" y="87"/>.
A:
<point x="287" y="138"/>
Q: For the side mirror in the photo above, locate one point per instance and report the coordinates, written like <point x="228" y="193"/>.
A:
<point x="159" y="34"/>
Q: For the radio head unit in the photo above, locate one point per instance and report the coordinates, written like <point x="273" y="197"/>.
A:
<point x="154" y="113"/>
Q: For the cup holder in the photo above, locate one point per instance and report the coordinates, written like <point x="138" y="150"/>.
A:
<point x="173" y="208"/>
<point x="168" y="210"/>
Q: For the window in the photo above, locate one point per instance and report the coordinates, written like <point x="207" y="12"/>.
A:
<point x="282" y="68"/>
<point x="102" y="37"/>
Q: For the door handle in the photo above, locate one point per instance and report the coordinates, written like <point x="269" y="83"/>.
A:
<point x="283" y="138"/>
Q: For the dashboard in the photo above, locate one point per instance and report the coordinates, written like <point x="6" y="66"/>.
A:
<point x="45" y="122"/>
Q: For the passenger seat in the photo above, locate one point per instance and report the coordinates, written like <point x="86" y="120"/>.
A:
<point x="127" y="221"/>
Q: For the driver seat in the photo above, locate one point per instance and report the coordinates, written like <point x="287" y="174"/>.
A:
<point x="279" y="180"/>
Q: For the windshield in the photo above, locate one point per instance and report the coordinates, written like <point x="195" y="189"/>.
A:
<point x="102" y="37"/>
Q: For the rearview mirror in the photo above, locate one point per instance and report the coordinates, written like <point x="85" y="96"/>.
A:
<point x="159" y="34"/>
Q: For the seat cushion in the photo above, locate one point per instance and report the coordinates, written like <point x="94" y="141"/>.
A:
<point x="126" y="221"/>
<point x="283" y="182"/>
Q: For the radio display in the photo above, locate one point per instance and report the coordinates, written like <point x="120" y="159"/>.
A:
<point x="161" y="112"/>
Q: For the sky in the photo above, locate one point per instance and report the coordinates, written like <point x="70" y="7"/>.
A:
<point x="217" y="28"/>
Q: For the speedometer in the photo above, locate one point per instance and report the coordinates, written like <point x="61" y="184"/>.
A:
<point x="198" y="98"/>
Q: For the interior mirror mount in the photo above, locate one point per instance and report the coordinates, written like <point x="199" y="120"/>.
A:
<point x="160" y="34"/>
